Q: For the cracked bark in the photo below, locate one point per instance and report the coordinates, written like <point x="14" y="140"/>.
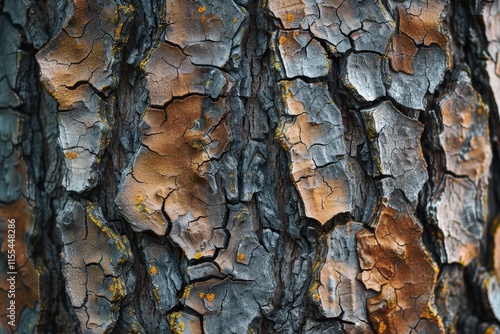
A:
<point x="251" y="166"/>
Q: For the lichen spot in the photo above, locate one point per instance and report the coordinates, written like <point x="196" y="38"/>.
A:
<point x="382" y="327"/>
<point x="235" y="20"/>
<point x="241" y="257"/>
<point x="290" y="18"/>
<point x="187" y="291"/>
<point x="112" y="288"/>
<point x="489" y="330"/>
<point x="70" y="155"/>
<point x="176" y="326"/>
<point x="202" y="9"/>
<point x="282" y="39"/>
<point x="210" y="297"/>
<point x="198" y="255"/>
<point x="153" y="270"/>
<point x="201" y="295"/>
<point x="157" y="294"/>
<point x="117" y="290"/>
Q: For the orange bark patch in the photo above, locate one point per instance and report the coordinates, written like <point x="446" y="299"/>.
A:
<point x="466" y="145"/>
<point x="424" y="28"/>
<point x="395" y="263"/>
<point x="402" y="53"/>
<point x="172" y="174"/>
<point x="324" y="190"/>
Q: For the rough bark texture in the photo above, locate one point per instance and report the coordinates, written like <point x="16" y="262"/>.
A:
<point x="251" y="166"/>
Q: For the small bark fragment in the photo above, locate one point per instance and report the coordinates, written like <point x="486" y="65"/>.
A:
<point x="184" y="323"/>
<point x="410" y="90"/>
<point x="95" y="260"/>
<point x="171" y="74"/>
<point x="301" y="55"/>
<point x="465" y="137"/>
<point x="78" y="68"/>
<point x="336" y="289"/>
<point x="420" y="24"/>
<point x="396" y="263"/>
<point x="207" y="31"/>
<point x="360" y="68"/>
<point x="368" y="25"/>
<point x="163" y="272"/>
<point x="396" y="151"/>
<point x="231" y="304"/>
<point x="422" y="20"/>
<point x="402" y="53"/>
<point x="173" y="175"/>
<point x="450" y="295"/>
<point x="312" y="132"/>
<point x="466" y="144"/>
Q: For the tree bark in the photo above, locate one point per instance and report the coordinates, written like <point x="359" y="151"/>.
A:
<point x="239" y="166"/>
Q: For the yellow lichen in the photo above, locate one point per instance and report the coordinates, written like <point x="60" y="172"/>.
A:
<point x="290" y="18"/>
<point x="139" y="204"/>
<point x="490" y="330"/>
<point x="198" y="255"/>
<point x="187" y="291"/>
<point x="282" y="40"/>
<point x="175" y="324"/>
<point x="202" y="9"/>
<point x="157" y="294"/>
<point x="241" y="257"/>
<point x="314" y="288"/>
<point x="71" y="155"/>
<point x="91" y="207"/>
<point x="382" y="327"/>
<point x="153" y="270"/>
<point x="201" y="295"/>
<point x="117" y="289"/>
<point x="125" y="11"/>
<point x="210" y="297"/>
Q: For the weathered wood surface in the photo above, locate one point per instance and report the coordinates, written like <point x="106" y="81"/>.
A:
<point x="239" y="166"/>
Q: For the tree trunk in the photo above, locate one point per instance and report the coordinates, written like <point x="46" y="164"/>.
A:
<point x="240" y="166"/>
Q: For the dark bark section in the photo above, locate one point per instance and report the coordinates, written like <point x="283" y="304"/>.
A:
<point x="280" y="166"/>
